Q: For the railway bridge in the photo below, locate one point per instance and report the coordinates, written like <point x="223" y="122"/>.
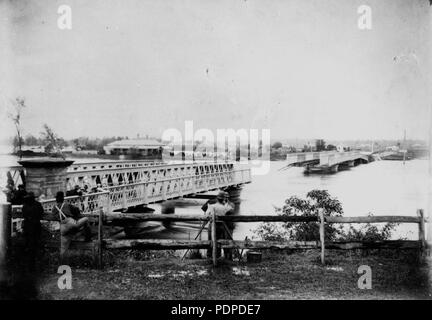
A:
<point x="123" y="184"/>
<point x="328" y="161"/>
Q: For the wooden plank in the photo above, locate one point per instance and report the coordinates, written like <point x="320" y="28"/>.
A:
<point x="387" y="244"/>
<point x="239" y="244"/>
<point x="373" y="219"/>
<point x="200" y="196"/>
<point x="422" y="236"/>
<point x="342" y="245"/>
<point x="100" y="239"/>
<point x="214" y="239"/>
<point x="135" y="217"/>
<point x="117" y="216"/>
<point x="74" y="245"/>
<point x="48" y="216"/>
<point x="156" y="244"/>
<point x="268" y="218"/>
<point x="322" y="235"/>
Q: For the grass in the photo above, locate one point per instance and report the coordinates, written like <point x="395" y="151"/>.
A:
<point x="280" y="275"/>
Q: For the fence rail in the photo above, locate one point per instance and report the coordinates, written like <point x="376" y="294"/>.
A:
<point x="236" y="244"/>
<point x="108" y="218"/>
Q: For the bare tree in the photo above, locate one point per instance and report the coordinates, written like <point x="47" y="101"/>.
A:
<point x="15" y="115"/>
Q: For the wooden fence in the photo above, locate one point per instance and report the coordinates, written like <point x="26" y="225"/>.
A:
<point x="102" y="219"/>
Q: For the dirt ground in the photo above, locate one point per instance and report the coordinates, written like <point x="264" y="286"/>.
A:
<point x="280" y="275"/>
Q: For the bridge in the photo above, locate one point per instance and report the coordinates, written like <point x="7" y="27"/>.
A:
<point x="327" y="161"/>
<point x="125" y="184"/>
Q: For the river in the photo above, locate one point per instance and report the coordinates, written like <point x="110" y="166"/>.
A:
<point x="379" y="188"/>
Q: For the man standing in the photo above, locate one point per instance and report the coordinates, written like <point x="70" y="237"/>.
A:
<point x="220" y="208"/>
<point x="32" y="212"/>
<point x="71" y="222"/>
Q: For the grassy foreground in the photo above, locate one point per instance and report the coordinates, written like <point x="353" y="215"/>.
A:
<point x="162" y="275"/>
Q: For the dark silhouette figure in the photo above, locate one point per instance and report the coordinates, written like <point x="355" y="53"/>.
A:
<point x="32" y="213"/>
<point x="19" y="195"/>
<point x="26" y="271"/>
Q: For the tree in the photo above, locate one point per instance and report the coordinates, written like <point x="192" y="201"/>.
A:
<point x="53" y="143"/>
<point x="309" y="231"/>
<point x="320" y="145"/>
<point x="277" y="145"/>
<point x="15" y="115"/>
<point x="315" y="200"/>
<point x="331" y="147"/>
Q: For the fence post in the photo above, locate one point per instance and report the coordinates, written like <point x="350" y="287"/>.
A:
<point x="422" y="237"/>
<point x="5" y="238"/>
<point x="124" y="202"/>
<point x="214" y="239"/>
<point x="145" y="193"/>
<point x="108" y="204"/>
<point x="100" y="238"/>
<point x="322" y="235"/>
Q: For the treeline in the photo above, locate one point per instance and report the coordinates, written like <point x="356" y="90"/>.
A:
<point x="81" y="143"/>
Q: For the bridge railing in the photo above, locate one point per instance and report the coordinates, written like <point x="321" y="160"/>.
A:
<point x="88" y="204"/>
<point x="301" y="157"/>
<point x="108" y="173"/>
<point x="14" y="175"/>
<point x="134" y="194"/>
<point x="124" y="196"/>
<point x="337" y="157"/>
<point x="294" y="158"/>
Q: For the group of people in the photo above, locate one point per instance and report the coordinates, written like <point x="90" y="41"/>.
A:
<point x="71" y="220"/>
<point x="87" y="203"/>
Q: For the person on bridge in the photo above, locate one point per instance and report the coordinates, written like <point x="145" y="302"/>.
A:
<point x="71" y="222"/>
<point x="220" y="208"/>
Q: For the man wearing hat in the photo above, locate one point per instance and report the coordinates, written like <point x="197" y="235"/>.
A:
<point x="220" y="208"/>
<point x="32" y="212"/>
<point x="71" y="222"/>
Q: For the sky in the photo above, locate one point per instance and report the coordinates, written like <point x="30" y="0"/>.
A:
<point x="301" y="68"/>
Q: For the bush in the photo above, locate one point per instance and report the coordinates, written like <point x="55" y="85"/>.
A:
<point x="369" y="232"/>
<point x="309" y="231"/>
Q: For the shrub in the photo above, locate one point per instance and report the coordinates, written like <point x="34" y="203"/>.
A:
<point x="309" y="231"/>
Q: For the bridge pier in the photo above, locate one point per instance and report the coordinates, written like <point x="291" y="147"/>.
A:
<point x="334" y="169"/>
<point x="46" y="176"/>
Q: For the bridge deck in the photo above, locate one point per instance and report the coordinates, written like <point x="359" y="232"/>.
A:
<point x="323" y="159"/>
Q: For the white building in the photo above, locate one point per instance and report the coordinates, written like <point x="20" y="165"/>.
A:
<point x="135" y="147"/>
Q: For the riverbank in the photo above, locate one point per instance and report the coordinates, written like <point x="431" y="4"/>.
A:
<point x="162" y="275"/>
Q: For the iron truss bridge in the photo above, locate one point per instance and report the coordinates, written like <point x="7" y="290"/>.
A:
<point x="124" y="184"/>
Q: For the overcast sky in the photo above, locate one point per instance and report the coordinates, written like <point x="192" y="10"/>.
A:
<point x="301" y="68"/>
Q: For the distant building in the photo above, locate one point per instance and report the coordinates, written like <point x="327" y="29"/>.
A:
<point x="68" y="149"/>
<point x="342" y="148"/>
<point x="31" y="151"/>
<point x="85" y="152"/>
<point x="393" y="148"/>
<point x="136" y="148"/>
